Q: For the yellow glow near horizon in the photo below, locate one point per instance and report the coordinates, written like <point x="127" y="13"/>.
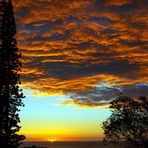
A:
<point x="64" y="136"/>
<point x="79" y="131"/>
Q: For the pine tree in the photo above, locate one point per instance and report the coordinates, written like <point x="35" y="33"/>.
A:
<point x="10" y="93"/>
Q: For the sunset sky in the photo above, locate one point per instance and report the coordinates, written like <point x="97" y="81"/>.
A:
<point x="77" y="55"/>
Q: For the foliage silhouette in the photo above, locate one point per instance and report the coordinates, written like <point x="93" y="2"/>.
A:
<point x="128" y="121"/>
<point x="10" y="93"/>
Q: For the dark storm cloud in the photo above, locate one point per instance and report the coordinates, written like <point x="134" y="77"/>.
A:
<point x="89" y="49"/>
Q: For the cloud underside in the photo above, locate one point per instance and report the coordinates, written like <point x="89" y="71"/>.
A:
<point x="90" y="50"/>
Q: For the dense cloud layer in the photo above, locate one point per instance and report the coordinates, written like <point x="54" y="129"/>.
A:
<point x="88" y="49"/>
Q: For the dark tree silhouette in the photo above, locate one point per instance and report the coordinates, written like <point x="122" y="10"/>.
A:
<point x="10" y="93"/>
<point x="128" y="121"/>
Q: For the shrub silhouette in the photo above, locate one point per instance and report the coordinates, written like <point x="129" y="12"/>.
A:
<point x="128" y="121"/>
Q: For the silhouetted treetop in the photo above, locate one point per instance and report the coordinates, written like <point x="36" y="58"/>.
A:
<point x="128" y="121"/>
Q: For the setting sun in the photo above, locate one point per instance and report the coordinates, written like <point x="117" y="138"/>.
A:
<point x="51" y="140"/>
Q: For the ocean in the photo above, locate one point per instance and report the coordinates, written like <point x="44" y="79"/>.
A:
<point x="64" y="144"/>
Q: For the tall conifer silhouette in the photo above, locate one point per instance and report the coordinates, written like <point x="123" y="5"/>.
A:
<point x="10" y="93"/>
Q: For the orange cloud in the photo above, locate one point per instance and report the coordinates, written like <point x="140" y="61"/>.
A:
<point x="72" y="47"/>
<point x="119" y="2"/>
<point x="29" y="71"/>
